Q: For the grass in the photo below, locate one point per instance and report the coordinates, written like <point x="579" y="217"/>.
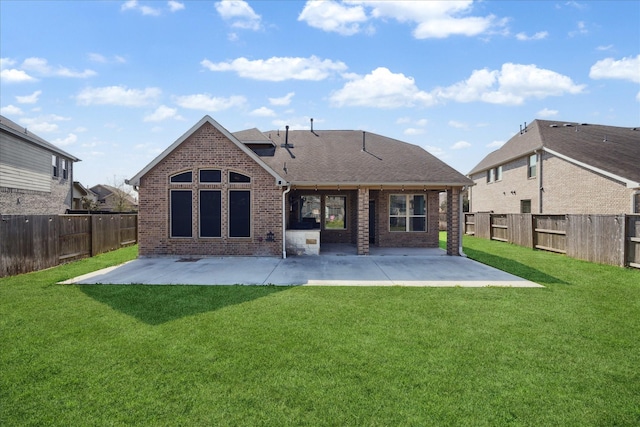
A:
<point x="567" y="354"/>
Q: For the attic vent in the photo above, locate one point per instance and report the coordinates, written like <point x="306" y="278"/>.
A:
<point x="584" y="124"/>
<point x="567" y="125"/>
<point x="553" y="126"/>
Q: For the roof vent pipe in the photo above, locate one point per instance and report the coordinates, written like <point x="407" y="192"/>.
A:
<point x="311" y="124"/>
<point x="525" y="127"/>
<point x="364" y="147"/>
<point x="286" y="136"/>
<point x="520" y="129"/>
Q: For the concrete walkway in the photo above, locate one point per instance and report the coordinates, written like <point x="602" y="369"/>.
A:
<point x="336" y="267"/>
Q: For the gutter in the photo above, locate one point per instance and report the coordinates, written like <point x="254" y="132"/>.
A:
<point x="284" y="221"/>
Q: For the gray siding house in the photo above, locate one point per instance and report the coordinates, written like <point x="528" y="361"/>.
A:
<point x="36" y="177"/>
<point x="553" y="167"/>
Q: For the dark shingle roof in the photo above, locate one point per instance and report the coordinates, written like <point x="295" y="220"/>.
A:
<point x="613" y="149"/>
<point x="337" y="157"/>
<point x="23" y="133"/>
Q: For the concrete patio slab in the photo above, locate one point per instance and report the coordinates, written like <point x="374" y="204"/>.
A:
<point x="338" y="268"/>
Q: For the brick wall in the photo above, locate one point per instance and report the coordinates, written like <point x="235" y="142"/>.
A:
<point x="208" y="148"/>
<point x="15" y="201"/>
<point x="386" y="238"/>
<point x="568" y="188"/>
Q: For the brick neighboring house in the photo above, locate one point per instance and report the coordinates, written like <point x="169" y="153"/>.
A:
<point x="558" y="167"/>
<point x="36" y="177"/>
<point x="109" y="198"/>
<point x="253" y="193"/>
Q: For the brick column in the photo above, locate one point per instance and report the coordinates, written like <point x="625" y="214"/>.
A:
<point x="453" y="221"/>
<point x="363" y="221"/>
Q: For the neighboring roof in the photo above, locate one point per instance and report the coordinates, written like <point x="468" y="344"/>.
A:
<point x="82" y="189"/>
<point x="103" y="191"/>
<point x="22" y="133"/>
<point x="612" y="150"/>
<point x="337" y="157"/>
<point x="135" y="181"/>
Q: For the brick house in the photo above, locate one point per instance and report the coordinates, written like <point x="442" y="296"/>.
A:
<point x="561" y="168"/>
<point x="36" y="177"/>
<point x="113" y="199"/>
<point x="213" y="192"/>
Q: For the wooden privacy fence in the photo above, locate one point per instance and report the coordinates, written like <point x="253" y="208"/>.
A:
<point x="33" y="242"/>
<point x="605" y="239"/>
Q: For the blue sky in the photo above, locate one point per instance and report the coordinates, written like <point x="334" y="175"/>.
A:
<point x="116" y="82"/>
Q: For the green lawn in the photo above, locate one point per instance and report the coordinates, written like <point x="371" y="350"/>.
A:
<point x="564" y="355"/>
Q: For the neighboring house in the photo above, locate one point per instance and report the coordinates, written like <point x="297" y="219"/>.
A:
<point x="83" y="198"/>
<point x="36" y="177"/>
<point x="558" y="168"/>
<point x="252" y="193"/>
<point x="113" y="199"/>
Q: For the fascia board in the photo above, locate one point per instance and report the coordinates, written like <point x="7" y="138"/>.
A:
<point x="135" y="181"/>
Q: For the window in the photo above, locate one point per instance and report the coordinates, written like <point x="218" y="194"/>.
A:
<point x="309" y="212"/>
<point x="499" y="173"/>
<point x="210" y="213"/>
<point x="491" y="175"/>
<point x="407" y="212"/>
<point x="235" y="177"/>
<point x="182" y="177"/>
<point x="181" y="212"/>
<point x="239" y="213"/>
<point x="335" y="208"/>
<point x="531" y="169"/>
<point x="65" y="172"/>
<point x="54" y="166"/>
<point x="210" y="175"/>
<point x="525" y="206"/>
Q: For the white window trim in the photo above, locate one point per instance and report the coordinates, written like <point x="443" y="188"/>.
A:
<point x="408" y="216"/>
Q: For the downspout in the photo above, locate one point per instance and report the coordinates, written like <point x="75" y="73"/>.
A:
<point x="284" y="221"/>
<point x="634" y="195"/>
<point x="461" y="224"/>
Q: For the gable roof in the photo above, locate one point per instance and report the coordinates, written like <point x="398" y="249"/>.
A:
<point x="22" y="133"/>
<point x="349" y="157"/>
<point x="135" y="181"/>
<point x="610" y="150"/>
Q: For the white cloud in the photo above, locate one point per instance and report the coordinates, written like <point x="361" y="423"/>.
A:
<point x="13" y="75"/>
<point x="278" y="69"/>
<point x="511" y="85"/>
<point x="43" y="124"/>
<point x="41" y="66"/>
<point x="282" y="101"/>
<point x="403" y="120"/>
<point x="101" y="59"/>
<point x="239" y="13"/>
<point x="458" y="125"/>
<point x="496" y="144"/>
<point x="460" y="145"/>
<point x="537" y="36"/>
<point x="545" y="112"/>
<point x="263" y="112"/>
<point x="581" y="30"/>
<point x="29" y="99"/>
<point x="163" y="113"/>
<point x="638" y="97"/>
<point x="206" y="102"/>
<point x="432" y="19"/>
<point x="145" y="10"/>
<point x="624" y="69"/>
<point x="605" y="48"/>
<point x="70" y="139"/>
<point x="413" y="131"/>
<point x="381" y="89"/>
<point x="118" y="95"/>
<point x="332" y="16"/>
<point x="11" y="110"/>
<point x="422" y="122"/>
<point x="175" y="6"/>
